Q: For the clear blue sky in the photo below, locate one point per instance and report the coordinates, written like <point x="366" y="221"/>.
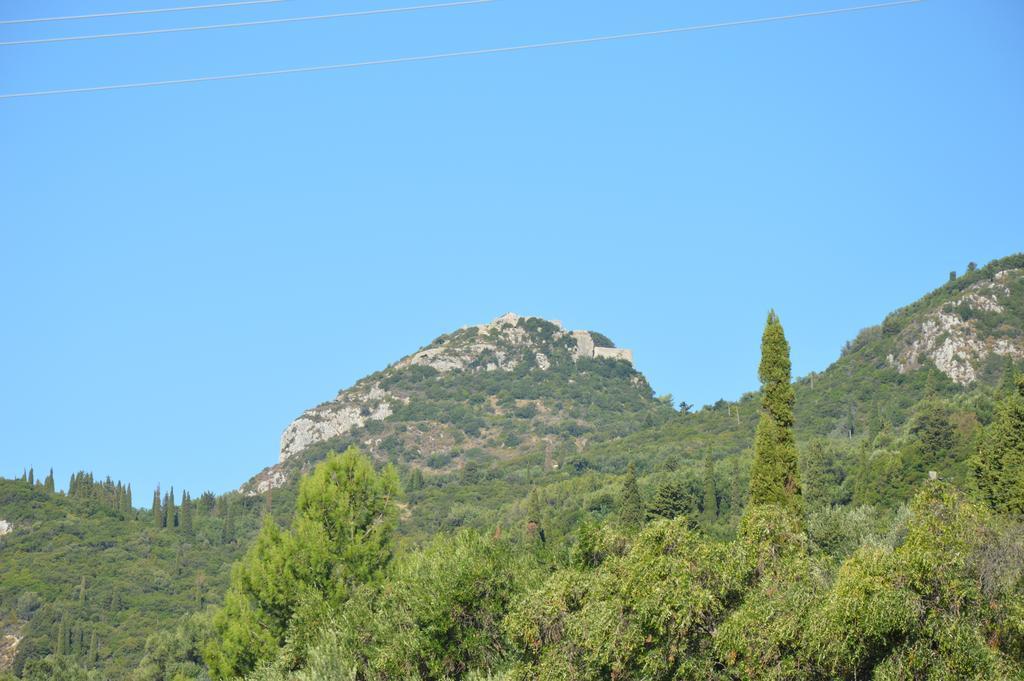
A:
<point x="185" y="269"/>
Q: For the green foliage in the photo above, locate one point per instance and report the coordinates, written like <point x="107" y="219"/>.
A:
<point x="439" y="615"/>
<point x="341" y="537"/>
<point x="138" y="580"/>
<point x="774" y="478"/>
<point x="999" y="464"/>
<point x="631" y="504"/>
<point x="642" y="612"/>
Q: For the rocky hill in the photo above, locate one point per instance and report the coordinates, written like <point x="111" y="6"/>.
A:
<point x="481" y="393"/>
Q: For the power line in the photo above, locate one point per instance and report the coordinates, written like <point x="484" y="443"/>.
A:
<point x="244" y="24"/>
<point x="466" y="53"/>
<point x="186" y="8"/>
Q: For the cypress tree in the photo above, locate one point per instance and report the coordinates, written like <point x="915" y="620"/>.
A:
<point x="631" y="504"/>
<point x="158" y="516"/>
<point x="774" y="478"/>
<point x="94" y="650"/>
<point x="31" y="477"/>
<point x="128" y="499"/>
<point x="49" y="482"/>
<point x="710" y="498"/>
<point x="186" y="513"/>
<point x="999" y="463"/>
<point x="172" y="512"/>
<point x="24" y="475"/>
<point x="62" y="636"/>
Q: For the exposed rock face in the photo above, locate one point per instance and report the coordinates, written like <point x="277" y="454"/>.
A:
<point x="352" y="409"/>
<point x="951" y="338"/>
<point x="5" y="527"/>
<point x="9" y="642"/>
<point x="501" y="345"/>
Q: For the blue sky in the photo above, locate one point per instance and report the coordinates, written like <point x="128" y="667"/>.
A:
<point x="185" y="269"/>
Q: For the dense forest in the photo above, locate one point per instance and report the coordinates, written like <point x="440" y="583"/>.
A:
<point x="863" y="522"/>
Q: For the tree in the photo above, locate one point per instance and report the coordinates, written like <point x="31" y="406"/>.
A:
<point x="158" y="516"/>
<point x="535" y="517"/>
<point x="672" y="499"/>
<point x="172" y="512"/>
<point x="186" y="513"/>
<point x="341" y="536"/>
<point x="774" y="478"/>
<point x="62" y="636"/>
<point x="227" y="532"/>
<point x="31" y="477"/>
<point x="94" y="651"/>
<point x="631" y="504"/>
<point x="1008" y="383"/>
<point x="48" y="484"/>
<point x="710" y="508"/>
<point x="999" y="463"/>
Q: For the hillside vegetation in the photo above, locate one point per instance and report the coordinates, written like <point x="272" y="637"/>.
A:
<point x="510" y="505"/>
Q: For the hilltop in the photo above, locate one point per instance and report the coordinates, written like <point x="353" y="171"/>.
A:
<point x="481" y="394"/>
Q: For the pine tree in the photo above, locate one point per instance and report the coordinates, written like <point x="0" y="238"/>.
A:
<point x="999" y="463"/>
<point x="671" y="499"/>
<point x="186" y="513"/>
<point x="631" y="504"/>
<point x="710" y="497"/>
<point x="158" y="516"/>
<point x="774" y="478"/>
<point x="48" y="484"/>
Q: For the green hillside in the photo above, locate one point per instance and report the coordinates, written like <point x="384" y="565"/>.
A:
<point x="519" y="432"/>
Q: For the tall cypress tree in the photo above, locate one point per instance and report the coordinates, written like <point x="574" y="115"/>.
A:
<point x="94" y="651"/>
<point x="774" y="478"/>
<point x="128" y="499"/>
<point x="999" y="463"/>
<point x="62" y="636"/>
<point x="710" y="497"/>
<point x="186" y="513"/>
<point x="172" y="512"/>
<point x="158" y="516"/>
<point x="49" y="482"/>
<point x="631" y="504"/>
<point x="31" y="476"/>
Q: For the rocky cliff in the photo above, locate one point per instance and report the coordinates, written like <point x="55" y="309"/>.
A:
<point x="477" y="390"/>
